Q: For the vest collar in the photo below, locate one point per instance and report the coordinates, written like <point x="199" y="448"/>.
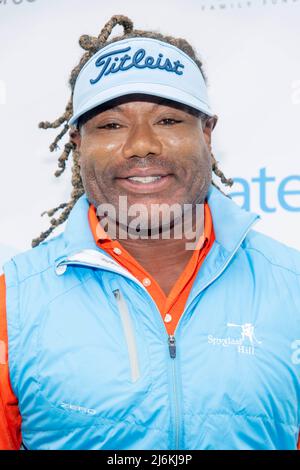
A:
<point x="230" y="221"/>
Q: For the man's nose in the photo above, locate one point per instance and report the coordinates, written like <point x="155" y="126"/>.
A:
<point x="142" y="141"/>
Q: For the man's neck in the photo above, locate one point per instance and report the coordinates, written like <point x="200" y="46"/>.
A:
<point x="164" y="259"/>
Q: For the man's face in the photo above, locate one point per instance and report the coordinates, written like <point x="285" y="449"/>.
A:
<point x="149" y="149"/>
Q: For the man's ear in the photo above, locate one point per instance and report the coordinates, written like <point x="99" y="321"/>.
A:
<point x="75" y="137"/>
<point x="208" y="127"/>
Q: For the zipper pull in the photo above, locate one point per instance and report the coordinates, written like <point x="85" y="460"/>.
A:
<point x="116" y="293"/>
<point x="172" y="346"/>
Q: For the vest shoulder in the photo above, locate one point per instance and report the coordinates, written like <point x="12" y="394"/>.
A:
<point x="274" y="252"/>
<point x="37" y="259"/>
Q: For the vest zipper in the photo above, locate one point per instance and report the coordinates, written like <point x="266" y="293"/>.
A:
<point x="129" y="335"/>
<point x="172" y="352"/>
<point x="172" y="346"/>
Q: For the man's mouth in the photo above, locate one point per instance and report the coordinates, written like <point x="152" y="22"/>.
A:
<point x="145" y="179"/>
<point x="142" y="181"/>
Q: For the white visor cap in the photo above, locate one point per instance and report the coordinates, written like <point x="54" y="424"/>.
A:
<point x="139" y="65"/>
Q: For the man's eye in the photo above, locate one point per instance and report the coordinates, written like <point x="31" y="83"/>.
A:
<point x="110" y="125"/>
<point x="169" y="121"/>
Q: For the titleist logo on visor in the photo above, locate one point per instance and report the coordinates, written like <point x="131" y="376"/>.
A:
<point x="113" y="62"/>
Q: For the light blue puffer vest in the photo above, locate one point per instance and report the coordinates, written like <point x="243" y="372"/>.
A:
<point x="91" y="363"/>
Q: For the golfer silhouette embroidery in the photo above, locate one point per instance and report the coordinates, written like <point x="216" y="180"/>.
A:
<point x="247" y="332"/>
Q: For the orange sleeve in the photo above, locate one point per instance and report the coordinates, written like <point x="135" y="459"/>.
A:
<point x="10" y="419"/>
<point x="298" y="446"/>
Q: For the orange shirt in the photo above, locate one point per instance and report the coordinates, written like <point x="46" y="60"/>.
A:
<point x="10" y="419"/>
<point x="171" y="306"/>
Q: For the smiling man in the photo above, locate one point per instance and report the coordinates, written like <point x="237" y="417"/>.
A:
<point x="115" y="334"/>
<point x="160" y="159"/>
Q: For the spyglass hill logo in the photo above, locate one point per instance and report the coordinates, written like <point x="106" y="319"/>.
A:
<point x="15" y="2"/>
<point x="235" y="4"/>
<point x="244" y="341"/>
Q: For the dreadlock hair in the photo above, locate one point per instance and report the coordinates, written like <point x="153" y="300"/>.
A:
<point x="92" y="45"/>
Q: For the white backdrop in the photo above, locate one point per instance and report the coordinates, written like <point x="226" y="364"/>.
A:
<point x="251" y="55"/>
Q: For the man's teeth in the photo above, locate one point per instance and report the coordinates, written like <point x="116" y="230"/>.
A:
<point x="145" y="179"/>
